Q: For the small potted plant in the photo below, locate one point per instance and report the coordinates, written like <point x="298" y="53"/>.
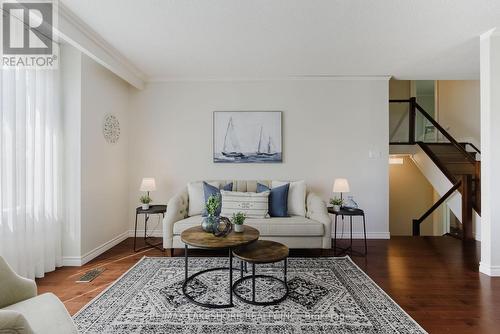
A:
<point x="212" y="205"/>
<point x="145" y="200"/>
<point x="337" y="203"/>
<point x="238" y="220"/>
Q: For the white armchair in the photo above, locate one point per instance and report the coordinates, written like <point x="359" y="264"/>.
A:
<point x="23" y="312"/>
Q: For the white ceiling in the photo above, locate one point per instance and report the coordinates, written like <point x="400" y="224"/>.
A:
<point x="202" y="39"/>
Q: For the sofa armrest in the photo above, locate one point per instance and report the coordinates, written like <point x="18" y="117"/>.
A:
<point x="14" y="288"/>
<point x="177" y="209"/>
<point x="317" y="210"/>
<point x="14" y="322"/>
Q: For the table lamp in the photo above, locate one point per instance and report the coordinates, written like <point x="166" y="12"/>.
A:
<point x="341" y="186"/>
<point x="148" y="184"/>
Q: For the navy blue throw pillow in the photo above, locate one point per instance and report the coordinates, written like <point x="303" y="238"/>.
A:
<point x="210" y="190"/>
<point x="278" y="199"/>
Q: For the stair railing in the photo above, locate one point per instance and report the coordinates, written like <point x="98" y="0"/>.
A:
<point x="464" y="183"/>
<point x="417" y="222"/>
<point x="414" y="108"/>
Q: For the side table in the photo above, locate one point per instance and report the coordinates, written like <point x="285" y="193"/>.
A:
<point x="349" y="213"/>
<point x="153" y="209"/>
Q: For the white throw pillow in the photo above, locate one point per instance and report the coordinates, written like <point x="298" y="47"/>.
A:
<point x="197" y="197"/>
<point x="253" y="205"/>
<point x="296" y="197"/>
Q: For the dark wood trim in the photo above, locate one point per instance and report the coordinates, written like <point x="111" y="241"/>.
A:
<point x="473" y="146"/>
<point x="437" y="161"/>
<point x="411" y="121"/>
<point x="417" y="222"/>
<point x="466" y="189"/>
<point x="445" y="133"/>
<point x="398" y="101"/>
<point x="477" y="188"/>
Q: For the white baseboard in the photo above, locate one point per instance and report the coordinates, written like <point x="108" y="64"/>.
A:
<point x="75" y="261"/>
<point x="493" y="271"/>
<point x="71" y="261"/>
<point x="360" y="235"/>
<point x="151" y="233"/>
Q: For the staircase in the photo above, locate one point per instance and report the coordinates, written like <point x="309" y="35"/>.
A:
<point x="457" y="161"/>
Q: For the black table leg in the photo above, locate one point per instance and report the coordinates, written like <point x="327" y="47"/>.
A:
<point x="284" y="278"/>
<point x="135" y="231"/>
<point x="335" y="237"/>
<point x="241" y="268"/>
<point x="230" y="276"/>
<point x="253" y="282"/>
<point x="364" y="229"/>
<point x="185" y="262"/>
<point x="350" y="245"/>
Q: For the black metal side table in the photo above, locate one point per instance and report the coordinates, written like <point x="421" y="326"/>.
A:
<point x="153" y="209"/>
<point x="349" y="213"/>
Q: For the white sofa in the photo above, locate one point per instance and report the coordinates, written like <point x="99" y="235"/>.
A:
<point x="23" y="312"/>
<point x="312" y="231"/>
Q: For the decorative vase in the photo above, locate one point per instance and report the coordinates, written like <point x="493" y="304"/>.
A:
<point x="350" y="203"/>
<point x="209" y="223"/>
<point x="145" y="206"/>
<point x="239" y="228"/>
<point x="336" y="208"/>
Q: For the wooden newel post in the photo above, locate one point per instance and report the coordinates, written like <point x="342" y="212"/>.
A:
<point x="411" y="121"/>
<point x="416" y="227"/>
<point x="466" y="191"/>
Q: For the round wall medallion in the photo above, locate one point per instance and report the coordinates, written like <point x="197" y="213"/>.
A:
<point x="111" y="128"/>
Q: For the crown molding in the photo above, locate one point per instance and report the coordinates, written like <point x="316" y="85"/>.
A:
<point x="263" y="79"/>
<point x="75" y="32"/>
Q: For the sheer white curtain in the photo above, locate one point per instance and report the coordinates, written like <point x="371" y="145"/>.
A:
<point x="30" y="170"/>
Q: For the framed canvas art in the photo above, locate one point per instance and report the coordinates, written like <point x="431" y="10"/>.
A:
<point x="247" y="137"/>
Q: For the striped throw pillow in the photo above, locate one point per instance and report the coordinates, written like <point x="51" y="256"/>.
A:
<point x="254" y="205"/>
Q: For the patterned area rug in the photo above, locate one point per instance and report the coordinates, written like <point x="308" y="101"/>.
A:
<point x="327" y="295"/>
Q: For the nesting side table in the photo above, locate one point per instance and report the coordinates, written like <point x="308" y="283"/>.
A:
<point x="153" y="209"/>
<point x="343" y="212"/>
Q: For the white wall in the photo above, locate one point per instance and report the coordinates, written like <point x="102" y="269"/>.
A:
<point x="329" y="128"/>
<point x="104" y="166"/>
<point x="96" y="172"/>
<point x="459" y="109"/>
<point x="71" y="108"/>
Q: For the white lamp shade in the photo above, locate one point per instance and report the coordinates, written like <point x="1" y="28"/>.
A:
<point x="148" y="184"/>
<point x="341" y="186"/>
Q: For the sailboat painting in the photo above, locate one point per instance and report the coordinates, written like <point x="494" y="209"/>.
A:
<point x="247" y="137"/>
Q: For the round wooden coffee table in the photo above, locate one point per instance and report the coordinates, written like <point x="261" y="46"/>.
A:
<point x="261" y="251"/>
<point x="196" y="237"/>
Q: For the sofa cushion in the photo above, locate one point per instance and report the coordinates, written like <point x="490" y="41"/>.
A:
<point x="210" y="190"/>
<point x="289" y="226"/>
<point x="197" y="197"/>
<point x="46" y="314"/>
<point x="296" y="197"/>
<point x="253" y="205"/>
<point x="278" y="199"/>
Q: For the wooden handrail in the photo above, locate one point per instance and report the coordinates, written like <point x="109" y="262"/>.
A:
<point x="398" y="101"/>
<point x="445" y="133"/>
<point x="474" y="147"/>
<point x="415" y="106"/>
<point x="417" y="222"/>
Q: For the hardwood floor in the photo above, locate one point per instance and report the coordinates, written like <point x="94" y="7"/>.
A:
<point x="434" y="279"/>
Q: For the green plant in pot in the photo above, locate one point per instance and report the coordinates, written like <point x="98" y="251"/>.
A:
<point x="212" y="219"/>
<point x="337" y="203"/>
<point x="238" y="220"/>
<point x="145" y="201"/>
